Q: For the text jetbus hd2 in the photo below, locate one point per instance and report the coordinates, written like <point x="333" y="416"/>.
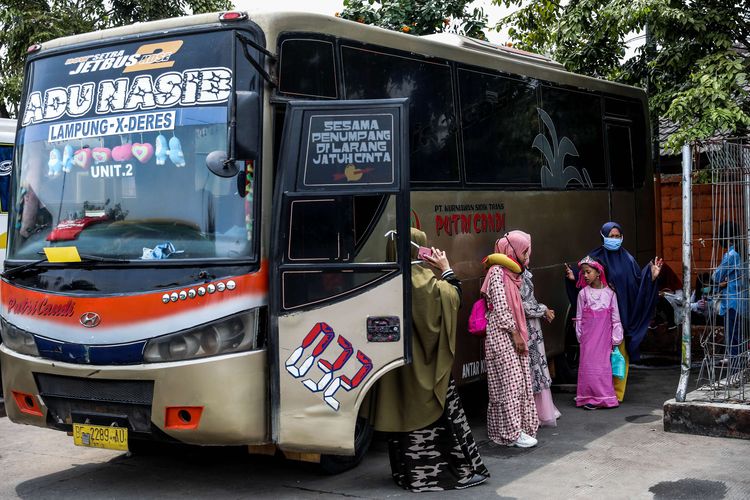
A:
<point x="207" y="217"/>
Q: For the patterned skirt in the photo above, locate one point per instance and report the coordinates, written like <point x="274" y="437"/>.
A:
<point x="442" y="456"/>
<point x="540" y="379"/>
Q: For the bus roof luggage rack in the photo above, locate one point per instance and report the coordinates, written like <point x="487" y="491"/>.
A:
<point x="492" y="48"/>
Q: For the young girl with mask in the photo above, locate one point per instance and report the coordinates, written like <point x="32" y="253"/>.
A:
<point x="599" y="331"/>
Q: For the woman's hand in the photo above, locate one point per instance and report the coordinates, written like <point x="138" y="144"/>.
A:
<point x="438" y="260"/>
<point x="569" y="273"/>
<point x="518" y="344"/>
<point x="549" y="315"/>
<point x="656" y="267"/>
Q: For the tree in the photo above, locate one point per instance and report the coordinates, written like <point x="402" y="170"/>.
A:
<point x="26" y="22"/>
<point x="419" y="17"/>
<point x="695" y="67"/>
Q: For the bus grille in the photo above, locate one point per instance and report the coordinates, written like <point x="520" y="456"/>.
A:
<point x="70" y="399"/>
<point x="138" y="392"/>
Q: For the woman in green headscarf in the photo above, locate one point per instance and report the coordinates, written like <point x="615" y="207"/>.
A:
<point x="431" y="447"/>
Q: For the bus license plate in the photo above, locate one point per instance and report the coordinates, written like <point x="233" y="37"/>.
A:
<point x="100" y="436"/>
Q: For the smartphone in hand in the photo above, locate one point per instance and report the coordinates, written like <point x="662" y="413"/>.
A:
<point x="423" y="252"/>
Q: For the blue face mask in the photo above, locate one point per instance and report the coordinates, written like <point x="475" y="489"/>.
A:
<point x="612" y="243"/>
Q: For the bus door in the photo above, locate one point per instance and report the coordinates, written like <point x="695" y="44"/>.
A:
<point x="340" y="278"/>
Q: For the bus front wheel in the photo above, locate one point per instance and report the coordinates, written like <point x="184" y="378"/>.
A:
<point x="336" y="464"/>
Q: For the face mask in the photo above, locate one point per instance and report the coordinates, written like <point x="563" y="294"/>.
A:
<point x="612" y="243"/>
<point x="705" y="289"/>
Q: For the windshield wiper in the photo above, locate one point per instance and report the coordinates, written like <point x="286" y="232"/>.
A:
<point x="9" y="273"/>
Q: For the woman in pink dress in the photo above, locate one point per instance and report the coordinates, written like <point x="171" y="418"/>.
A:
<point x="598" y="330"/>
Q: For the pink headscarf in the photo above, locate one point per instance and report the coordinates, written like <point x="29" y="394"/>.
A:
<point x="513" y="244"/>
<point x="589" y="261"/>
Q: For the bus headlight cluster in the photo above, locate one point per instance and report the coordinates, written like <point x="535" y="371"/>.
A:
<point x="18" y="340"/>
<point x="232" y="334"/>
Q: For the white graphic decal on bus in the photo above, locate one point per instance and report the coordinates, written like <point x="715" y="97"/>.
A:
<point x="192" y="87"/>
<point x="327" y="383"/>
<point x="146" y="57"/>
<point x="111" y="125"/>
<point x="555" y="175"/>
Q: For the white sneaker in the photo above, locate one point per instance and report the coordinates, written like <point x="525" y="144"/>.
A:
<point x="524" y="441"/>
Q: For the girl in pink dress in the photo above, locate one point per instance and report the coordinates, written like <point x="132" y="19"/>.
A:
<point x="598" y="330"/>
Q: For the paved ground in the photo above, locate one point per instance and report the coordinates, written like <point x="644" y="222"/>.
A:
<point x="619" y="453"/>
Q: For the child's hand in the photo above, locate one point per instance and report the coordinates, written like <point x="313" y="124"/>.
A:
<point x="549" y="315"/>
<point x="656" y="267"/>
<point x="569" y="272"/>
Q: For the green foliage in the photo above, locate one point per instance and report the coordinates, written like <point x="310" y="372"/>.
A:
<point x="419" y="17"/>
<point x="695" y="67"/>
<point x="26" y="22"/>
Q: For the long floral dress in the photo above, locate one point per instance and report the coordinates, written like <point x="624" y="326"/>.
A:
<point x="540" y="378"/>
<point x="511" y="407"/>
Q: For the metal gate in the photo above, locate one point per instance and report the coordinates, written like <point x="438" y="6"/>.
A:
<point x="720" y="291"/>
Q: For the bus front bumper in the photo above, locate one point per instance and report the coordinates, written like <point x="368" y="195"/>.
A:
<point x="226" y="395"/>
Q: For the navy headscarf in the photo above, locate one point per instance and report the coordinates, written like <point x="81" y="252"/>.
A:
<point x="636" y="291"/>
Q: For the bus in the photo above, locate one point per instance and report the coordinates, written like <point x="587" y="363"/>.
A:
<point x="211" y="211"/>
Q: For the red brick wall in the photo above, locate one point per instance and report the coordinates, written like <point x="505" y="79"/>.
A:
<point x="671" y="226"/>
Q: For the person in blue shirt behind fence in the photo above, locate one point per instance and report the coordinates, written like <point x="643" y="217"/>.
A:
<point x="732" y="284"/>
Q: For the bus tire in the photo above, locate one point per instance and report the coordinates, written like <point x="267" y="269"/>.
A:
<point x="336" y="464"/>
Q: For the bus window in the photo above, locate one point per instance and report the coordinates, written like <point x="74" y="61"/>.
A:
<point x="306" y="67"/>
<point x="641" y="144"/>
<point x="432" y="118"/>
<point x="499" y="123"/>
<point x="122" y="159"/>
<point x="631" y="110"/>
<point x="6" y="167"/>
<point x="311" y="239"/>
<point x="620" y="156"/>
<point x="356" y="230"/>
<point x="578" y="116"/>
<point x="341" y="228"/>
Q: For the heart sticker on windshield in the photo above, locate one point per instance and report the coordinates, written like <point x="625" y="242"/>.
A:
<point x="82" y="158"/>
<point x="142" y="152"/>
<point x="101" y="154"/>
<point x="122" y="153"/>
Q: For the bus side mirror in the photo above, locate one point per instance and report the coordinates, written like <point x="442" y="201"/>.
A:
<point x="247" y="116"/>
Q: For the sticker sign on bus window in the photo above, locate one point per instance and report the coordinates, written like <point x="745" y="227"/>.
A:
<point x="192" y="87"/>
<point x="345" y="149"/>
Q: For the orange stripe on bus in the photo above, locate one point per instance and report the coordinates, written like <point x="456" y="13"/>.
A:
<point x="124" y="309"/>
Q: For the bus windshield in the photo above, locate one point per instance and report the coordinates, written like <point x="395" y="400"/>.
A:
<point x="112" y="154"/>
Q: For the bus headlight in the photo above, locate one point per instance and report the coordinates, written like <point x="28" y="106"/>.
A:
<point x="232" y="334"/>
<point x="18" y="340"/>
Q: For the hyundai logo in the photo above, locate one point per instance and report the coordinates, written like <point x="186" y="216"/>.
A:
<point x="90" y="319"/>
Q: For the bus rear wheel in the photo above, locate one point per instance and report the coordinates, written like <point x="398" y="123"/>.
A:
<point x="336" y="464"/>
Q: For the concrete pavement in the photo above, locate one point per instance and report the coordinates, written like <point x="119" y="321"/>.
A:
<point x="618" y="453"/>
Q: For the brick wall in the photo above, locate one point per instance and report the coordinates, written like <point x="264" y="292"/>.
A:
<point x="671" y="226"/>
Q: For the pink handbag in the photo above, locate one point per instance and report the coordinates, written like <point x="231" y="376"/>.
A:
<point x="478" y="318"/>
